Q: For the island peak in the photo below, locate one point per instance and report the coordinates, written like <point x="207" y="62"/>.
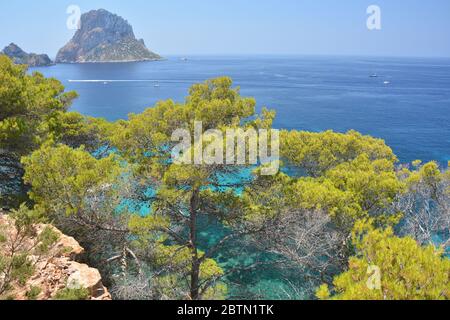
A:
<point x="104" y="37"/>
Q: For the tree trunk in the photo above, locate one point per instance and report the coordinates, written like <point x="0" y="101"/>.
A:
<point x="195" y="263"/>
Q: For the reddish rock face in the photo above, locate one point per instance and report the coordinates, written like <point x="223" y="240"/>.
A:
<point x="58" y="269"/>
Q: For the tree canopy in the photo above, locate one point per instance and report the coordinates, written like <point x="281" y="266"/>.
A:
<point x="390" y="268"/>
<point x="28" y="103"/>
<point x="162" y="229"/>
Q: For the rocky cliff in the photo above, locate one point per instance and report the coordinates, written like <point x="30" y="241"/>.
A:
<point x="56" y="271"/>
<point x="104" y="37"/>
<point x="21" y="57"/>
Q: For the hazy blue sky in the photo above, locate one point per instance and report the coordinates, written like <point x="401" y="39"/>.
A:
<point x="409" y="27"/>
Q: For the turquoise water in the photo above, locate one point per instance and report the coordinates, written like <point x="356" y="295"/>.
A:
<point x="309" y="93"/>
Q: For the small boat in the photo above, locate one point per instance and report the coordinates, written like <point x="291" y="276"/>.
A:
<point x="105" y="82"/>
<point x="387" y="82"/>
<point x="374" y="75"/>
<point x="157" y="85"/>
<point x="184" y="59"/>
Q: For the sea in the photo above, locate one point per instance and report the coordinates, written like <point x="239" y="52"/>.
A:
<point x="405" y="101"/>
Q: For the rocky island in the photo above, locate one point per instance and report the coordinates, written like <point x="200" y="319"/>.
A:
<point x="104" y="37"/>
<point x="21" y="57"/>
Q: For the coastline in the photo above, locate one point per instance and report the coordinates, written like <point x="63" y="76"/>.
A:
<point x="111" y="61"/>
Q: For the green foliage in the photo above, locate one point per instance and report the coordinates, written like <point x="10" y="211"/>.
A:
<point x="33" y="293"/>
<point x="323" y="293"/>
<point x="64" y="180"/>
<point x="26" y="219"/>
<point x="30" y="106"/>
<point x="316" y="153"/>
<point x="185" y="194"/>
<point x="76" y="130"/>
<point x="47" y="238"/>
<point x="348" y="192"/>
<point x="373" y="184"/>
<point x="407" y="270"/>
<point x="323" y="194"/>
<point x="428" y="174"/>
<point x="216" y="104"/>
<point x="27" y="103"/>
<point x="67" y="294"/>
<point x="21" y="268"/>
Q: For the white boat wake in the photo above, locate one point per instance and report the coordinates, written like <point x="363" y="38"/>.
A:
<point x="94" y="81"/>
<point x="131" y="80"/>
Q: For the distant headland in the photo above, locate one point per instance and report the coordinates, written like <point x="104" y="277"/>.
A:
<point x="21" y="57"/>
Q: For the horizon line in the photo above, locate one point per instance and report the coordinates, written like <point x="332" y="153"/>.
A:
<point x="337" y="55"/>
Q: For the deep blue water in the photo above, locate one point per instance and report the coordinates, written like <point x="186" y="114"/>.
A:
<point x="309" y="93"/>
